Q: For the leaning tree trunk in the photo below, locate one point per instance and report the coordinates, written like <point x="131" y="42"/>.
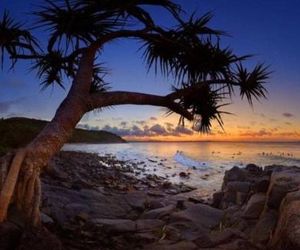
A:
<point x="20" y="182"/>
<point x="20" y="173"/>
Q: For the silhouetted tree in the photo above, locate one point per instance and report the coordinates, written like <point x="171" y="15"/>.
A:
<point x="76" y="31"/>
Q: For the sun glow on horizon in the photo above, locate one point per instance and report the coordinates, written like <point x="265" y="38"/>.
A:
<point x="257" y="127"/>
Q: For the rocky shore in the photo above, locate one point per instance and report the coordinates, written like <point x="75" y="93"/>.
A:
<point x="92" y="202"/>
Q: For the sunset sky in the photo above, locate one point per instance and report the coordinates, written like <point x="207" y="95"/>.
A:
<point x="269" y="29"/>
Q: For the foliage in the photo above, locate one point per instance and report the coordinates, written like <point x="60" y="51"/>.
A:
<point x="17" y="132"/>
<point x="205" y="73"/>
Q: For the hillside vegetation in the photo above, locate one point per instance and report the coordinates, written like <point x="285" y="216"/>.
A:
<point x="17" y="132"/>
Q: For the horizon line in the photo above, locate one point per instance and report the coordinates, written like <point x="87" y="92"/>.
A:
<point x="260" y="141"/>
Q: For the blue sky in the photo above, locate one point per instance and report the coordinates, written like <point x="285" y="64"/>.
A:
<point x="268" y="29"/>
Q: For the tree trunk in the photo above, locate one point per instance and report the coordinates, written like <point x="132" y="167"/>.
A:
<point x="20" y="174"/>
<point x="22" y="185"/>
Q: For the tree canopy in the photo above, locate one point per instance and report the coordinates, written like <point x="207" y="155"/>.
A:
<point x="205" y="73"/>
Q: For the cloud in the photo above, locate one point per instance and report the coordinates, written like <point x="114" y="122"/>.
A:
<point x="152" y="118"/>
<point x="5" y="106"/>
<point x="288" y="115"/>
<point x="293" y="134"/>
<point x="243" y="127"/>
<point x="275" y="129"/>
<point x="260" y="133"/>
<point x="87" y="127"/>
<point x="274" y="132"/>
<point x="140" y="122"/>
<point x="117" y="118"/>
<point x="169" y="126"/>
<point x="116" y="130"/>
<point x="146" y="131"/>
<point x="179" y="130"/>
<point x="158" y="129"/>
<point x="123" y="124"/>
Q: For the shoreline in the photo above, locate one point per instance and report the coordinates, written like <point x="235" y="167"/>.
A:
<point x="180" y="215"/>
<point x="92" y="202"/>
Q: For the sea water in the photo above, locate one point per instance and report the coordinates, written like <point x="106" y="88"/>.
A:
<point x="204" y="162"/>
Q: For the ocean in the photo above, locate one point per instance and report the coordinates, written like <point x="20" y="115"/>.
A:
<point x="204" y="162"/>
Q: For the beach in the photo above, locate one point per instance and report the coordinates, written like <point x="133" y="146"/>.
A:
<point x="204" y="163"/>
<point x="99" y="202"/>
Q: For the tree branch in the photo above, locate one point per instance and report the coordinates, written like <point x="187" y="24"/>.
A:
<point x="120" y="34"/>
<point x="104" y="99"/>
<point x="21" y="56"/>
<point x="188" y="90"/>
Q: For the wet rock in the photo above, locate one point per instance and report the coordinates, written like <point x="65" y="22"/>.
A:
<point x="196" y="200"/>
<point x="136" y="200"/>
<point x="282" y="182"/>
<point x="37" y="239"/>
<point x="203" y="241"/>
<point x="229" y="199"/>
<point x="116" y="226"/>
<point x="10" y="235"/>
<point x="158" y="213"/>
<point x="74" y="209"/>
<point x="241" y="198"/>
<point x="183" y="175"/>
<point x="186" y="230"/>
<point x="156" y="193"/>
<point x="261" y="184"/>
<point x="276" y="194"/>
<point x="238" y="186"/>
<point x="180" y="204"/>
<point x="102" y="210"/>
<point x="148" y="224"/>
<point x="45" y="219"/>
<point x="203" y="216"/>
<point x="237" y="244"/>
<point x="252" y="168"/>
<point x="273" y="168"/>
<point x="234" y="174"/>
<point x="82" y="216"/>
<point x="287" y="232"/>
<point x="186" y="245"/>
<point x="217" y="199"/>
<point x="225" y="236"/>
<point x="172" y="191"/>
<point x="255" y="206"/>
<point x="154" y="204"/>
<point x="263" y="229"/>
<point x="146" y="237"/>
<point x="172" y="233"/>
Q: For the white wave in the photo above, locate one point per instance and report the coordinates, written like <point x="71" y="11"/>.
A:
<point x="181" y="158"/>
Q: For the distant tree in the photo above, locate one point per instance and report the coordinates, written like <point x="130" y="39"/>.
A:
<point x="75" y="32"/>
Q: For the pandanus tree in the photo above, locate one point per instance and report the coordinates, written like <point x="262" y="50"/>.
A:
<point x="189" y="52"/>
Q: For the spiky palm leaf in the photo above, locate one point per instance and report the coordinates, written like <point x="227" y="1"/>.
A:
<point x="252" y="83"/>
<point x="189" y="52"/>
<point x="129" y="8"/>
<point x="73" y="23"/>
<point x="13" y="38"/>
<point x="205" y="73"/>
<point x="197" y="28"/>
<point x="204" y="103"/>
<point x="98" y="82"/>
<point x="51" y="68"/>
